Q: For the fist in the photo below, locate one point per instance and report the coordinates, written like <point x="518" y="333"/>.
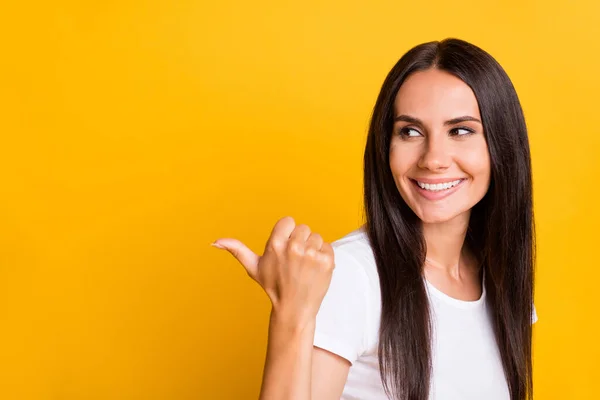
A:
<point x="295" y="270"/>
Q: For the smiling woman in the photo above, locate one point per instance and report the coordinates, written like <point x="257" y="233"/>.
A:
<point x="448" y="198"/>
<point x="438" y="147"/>
<point x="433" y="297"/>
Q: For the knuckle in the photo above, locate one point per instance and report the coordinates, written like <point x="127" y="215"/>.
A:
<point x="328" y="261"/>
<point x="312" y="253"/>
<point x="317" y="235"/>
<point x="277" y="244"/>
<point x="296" y="248"/>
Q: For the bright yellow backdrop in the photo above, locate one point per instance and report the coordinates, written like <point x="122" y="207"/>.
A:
<point x="135" y="132"/>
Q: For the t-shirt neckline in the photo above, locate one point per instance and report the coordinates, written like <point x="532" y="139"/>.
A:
<point x="457" y="302"/>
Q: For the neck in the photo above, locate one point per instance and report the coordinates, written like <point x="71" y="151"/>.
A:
<point x="445" y="246"/>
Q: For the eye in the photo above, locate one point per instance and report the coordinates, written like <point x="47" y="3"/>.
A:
<point x="461" y="131"/>
<point x="409" y="132"/>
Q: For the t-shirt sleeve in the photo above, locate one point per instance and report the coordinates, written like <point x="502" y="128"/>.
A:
<point x="341" y="323"/>
<point x="534" y="316"/>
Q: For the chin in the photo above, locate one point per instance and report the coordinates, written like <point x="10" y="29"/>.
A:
<point x="437" y="216"/>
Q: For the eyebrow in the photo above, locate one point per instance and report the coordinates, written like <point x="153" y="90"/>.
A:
<point x="413" y="120"/>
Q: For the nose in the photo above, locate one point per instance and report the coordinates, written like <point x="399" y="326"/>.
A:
<point x="436" y="154"/>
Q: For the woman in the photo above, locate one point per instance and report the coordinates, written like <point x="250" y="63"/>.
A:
<point x="433" y="297"/>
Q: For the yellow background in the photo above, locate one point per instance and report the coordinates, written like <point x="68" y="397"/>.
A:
<point x="134" y="133"/>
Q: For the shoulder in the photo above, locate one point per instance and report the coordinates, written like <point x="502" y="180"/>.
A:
<point x="353" y="240"/>
<point x="347" y="321"/>
<point x="354" y="252"/>
<point x="355" y="277"/>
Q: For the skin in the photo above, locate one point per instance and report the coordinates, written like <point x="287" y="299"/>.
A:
<point x="294" y="271"/>
<point x="434" y="149"/>
<point x="296" y="267"/>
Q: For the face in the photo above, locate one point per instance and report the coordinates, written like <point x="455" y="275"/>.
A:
<point x="438" y="153"/>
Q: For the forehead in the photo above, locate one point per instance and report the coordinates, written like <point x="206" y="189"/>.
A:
<point x="435" y="94"/>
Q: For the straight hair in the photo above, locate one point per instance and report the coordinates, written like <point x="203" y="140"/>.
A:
<point x="501" y="229"/>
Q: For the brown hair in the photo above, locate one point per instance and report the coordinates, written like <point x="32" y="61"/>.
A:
<point x="501" y="228"/>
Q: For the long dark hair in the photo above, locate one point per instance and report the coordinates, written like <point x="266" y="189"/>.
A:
<point x="501" y="229"/>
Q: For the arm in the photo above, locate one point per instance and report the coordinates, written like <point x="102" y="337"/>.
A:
<point x="295" y="271"/>
<point x="329" y="374"/>
<point x="287" y="373"/>
<point x="294" y="369"/>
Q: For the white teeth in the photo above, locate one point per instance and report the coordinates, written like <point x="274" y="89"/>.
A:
<point x="439" y="186"/>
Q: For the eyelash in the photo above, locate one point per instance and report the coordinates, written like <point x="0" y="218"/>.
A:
<point x="404" y="131"/>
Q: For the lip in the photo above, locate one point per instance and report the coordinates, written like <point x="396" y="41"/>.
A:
<point x="437" y="180"/>
<point x="429" y="195"/>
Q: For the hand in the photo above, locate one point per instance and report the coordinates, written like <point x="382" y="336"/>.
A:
<point x="295" y="269"/>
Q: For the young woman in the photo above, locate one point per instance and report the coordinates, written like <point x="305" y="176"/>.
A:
<point x="433" y="297"/>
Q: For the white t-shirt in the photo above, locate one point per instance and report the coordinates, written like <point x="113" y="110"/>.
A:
<point x="466" y="360"/>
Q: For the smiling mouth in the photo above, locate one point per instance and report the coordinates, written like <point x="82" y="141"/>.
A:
<point x="437" y="187"/>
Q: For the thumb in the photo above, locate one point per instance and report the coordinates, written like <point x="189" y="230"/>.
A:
<point x="242" y="253"/>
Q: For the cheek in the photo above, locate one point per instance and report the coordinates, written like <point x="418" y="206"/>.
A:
<point x="477" y="164"/>
<point x="401" y="160"/>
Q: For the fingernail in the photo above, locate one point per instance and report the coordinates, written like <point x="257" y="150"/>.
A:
<point x="217" y="245"/>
